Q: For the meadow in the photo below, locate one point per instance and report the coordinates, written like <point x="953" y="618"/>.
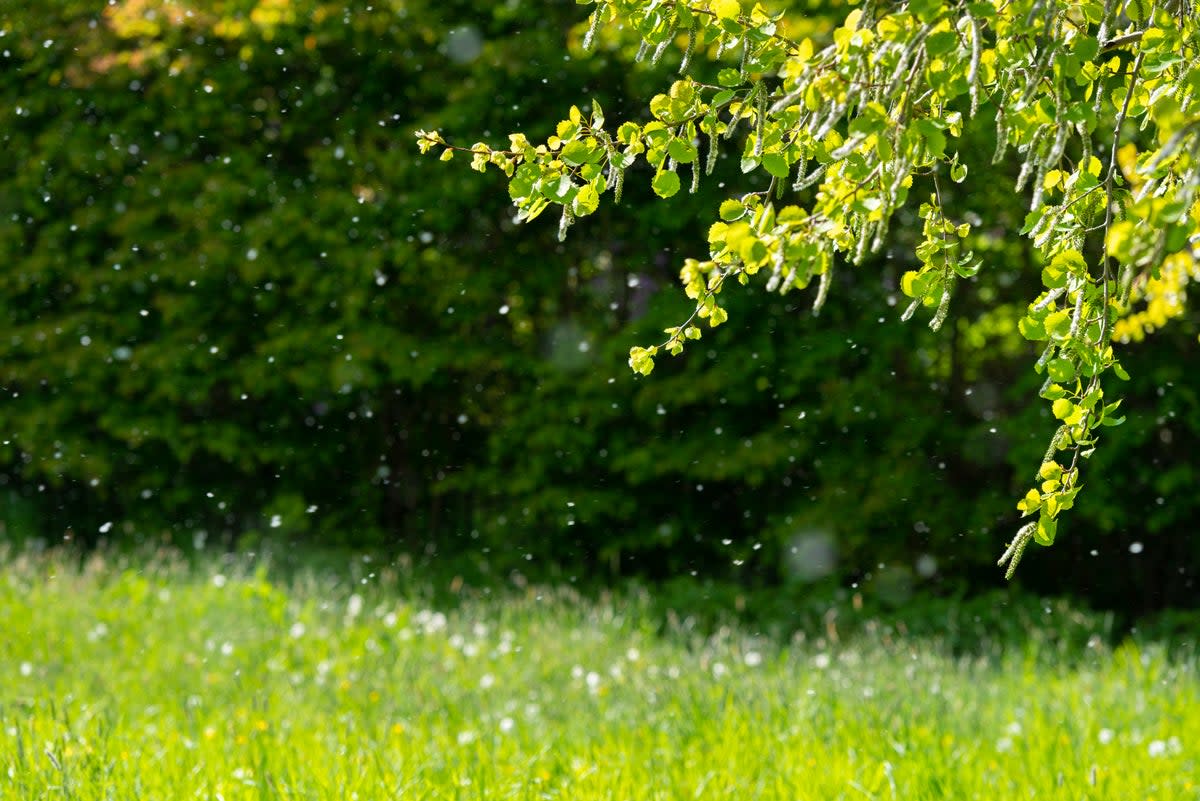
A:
<point x="230" y="679"/>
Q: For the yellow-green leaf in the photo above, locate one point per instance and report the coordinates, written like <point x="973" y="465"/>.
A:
<point x="1050" y="470"/>
<point x="1061" y="370"/>
<point x="732" y="210"/>
<point x="665" y="184"/>
<point x="586" y="201"/>
<point x="1047" y="529"/>
<point x="1030" y="502"/>
<point x="641" y="360"/>
<point x="726" y="9"/>
<point x="1058" y="324"/>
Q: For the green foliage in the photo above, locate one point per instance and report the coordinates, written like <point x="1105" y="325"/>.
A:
<point x="233" y="301"/>
<point x="848" y="129"/>
<point x="505" y="434"/>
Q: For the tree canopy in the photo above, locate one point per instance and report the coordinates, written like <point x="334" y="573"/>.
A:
<point x="1094" y="101"/>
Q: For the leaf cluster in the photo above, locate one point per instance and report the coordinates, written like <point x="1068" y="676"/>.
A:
<point x="845" y="130"/>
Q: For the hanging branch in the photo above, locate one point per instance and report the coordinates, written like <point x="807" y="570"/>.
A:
<point x="839" y="135"/>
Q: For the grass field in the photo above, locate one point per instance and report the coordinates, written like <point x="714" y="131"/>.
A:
<point x="163" y="681"/>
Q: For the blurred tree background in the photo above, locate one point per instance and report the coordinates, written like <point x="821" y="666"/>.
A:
<point x="240" y="307"/>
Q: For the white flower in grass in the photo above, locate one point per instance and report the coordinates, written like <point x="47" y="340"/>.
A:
<point x="1106" y="736"/>
<point x="1169" y="747"/>
<point x="719" y="669"/>
<point x="752" y="659"/>
<point x="633" y="655"/>
<point x="1014" y="729"/>
<point x="429" y="622"/>
<point x="297" y="630"/>
<point x="466" y="737"/>
<point x="26" y="669"/>
<point x="593" y="680"/>
<point x="821" y="661"/>
<point x="354" y="606"/>
<point x="219" y="581"/>
<point x="487" y="682"/>
<point x="1004" y="744"/>
<point x="506" y="725"/>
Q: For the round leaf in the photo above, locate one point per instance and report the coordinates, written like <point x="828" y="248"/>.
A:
<point x="1061" y="370"/>
<point x="682" y="150"/>
<point x="726" y="9"/>
<point x="732" y="210"/>
<point x="665" y="184"/>
<point x="586" y="201"/>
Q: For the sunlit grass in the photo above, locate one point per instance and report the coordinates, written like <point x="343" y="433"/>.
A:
<point x="157" y="680"/>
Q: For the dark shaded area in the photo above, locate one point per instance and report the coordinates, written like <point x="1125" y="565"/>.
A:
<point x="240" y="307"/>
